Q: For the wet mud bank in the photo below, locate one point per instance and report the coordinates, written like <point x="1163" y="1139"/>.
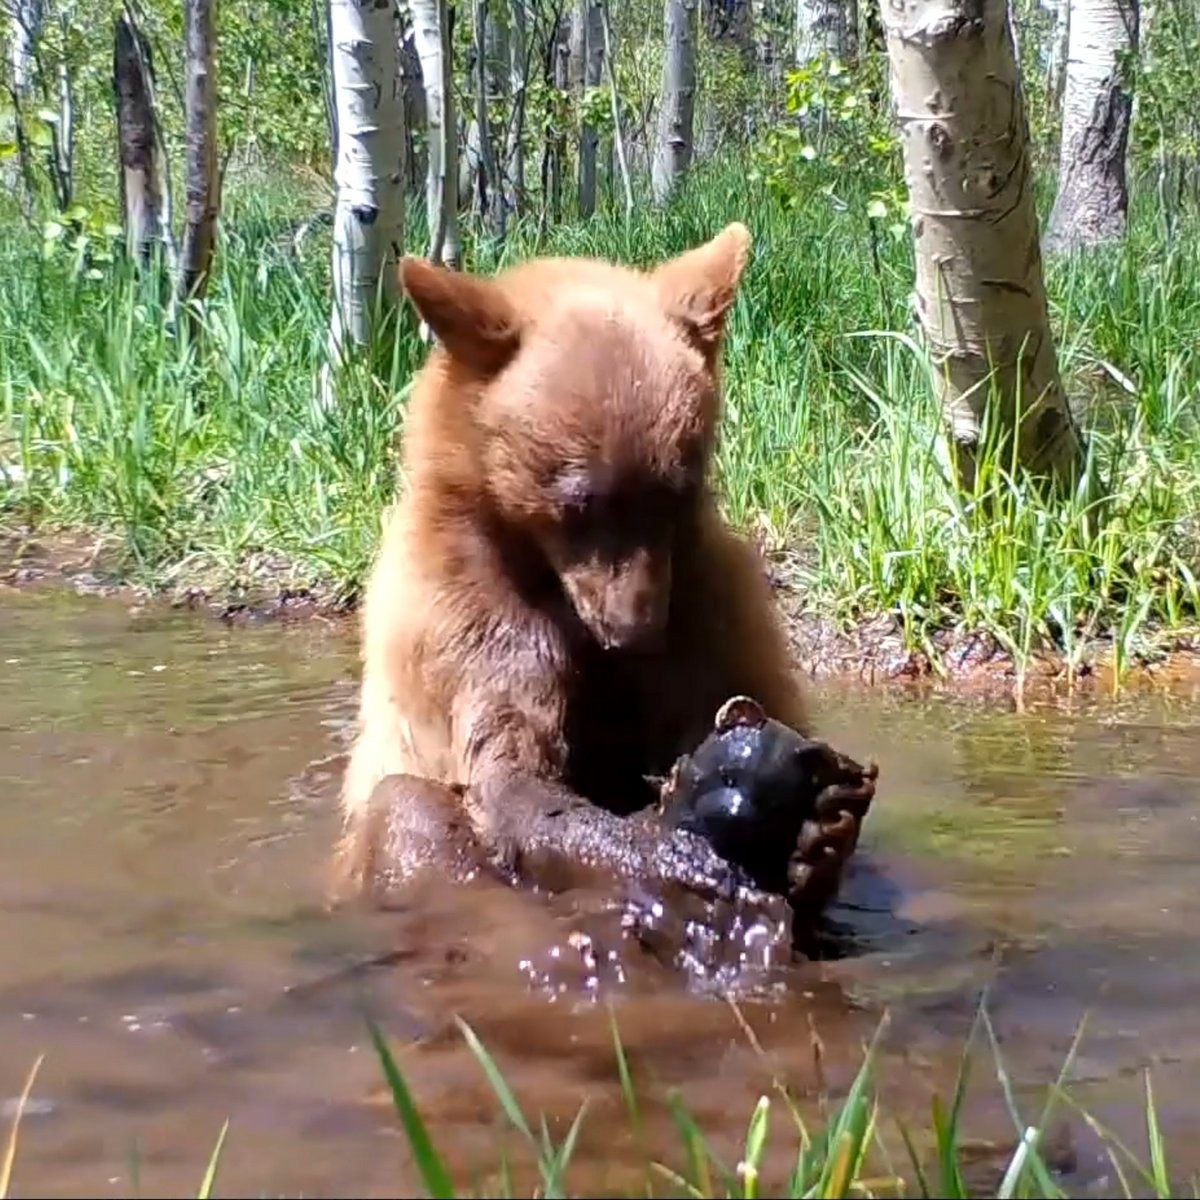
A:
<point x="873" y="653"/>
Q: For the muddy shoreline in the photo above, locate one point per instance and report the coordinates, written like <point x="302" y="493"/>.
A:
<point x="873" y="654"/>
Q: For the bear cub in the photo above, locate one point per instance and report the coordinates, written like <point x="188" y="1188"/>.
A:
<point x="557" y="607"/>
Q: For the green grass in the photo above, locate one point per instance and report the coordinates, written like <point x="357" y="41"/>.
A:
<point x="223" y="467"/>
<point x="850" y="1151"/>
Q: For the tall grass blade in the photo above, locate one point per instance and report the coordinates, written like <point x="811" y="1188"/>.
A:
<point x="10" y="1149"/>
<point x="433" y="1170"/>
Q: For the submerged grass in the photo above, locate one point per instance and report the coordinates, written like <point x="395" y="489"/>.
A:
<point x="224" y="466"/>
<point x="846" y="1155"/>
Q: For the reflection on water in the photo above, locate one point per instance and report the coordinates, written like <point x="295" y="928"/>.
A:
<point x="167" y="794"/>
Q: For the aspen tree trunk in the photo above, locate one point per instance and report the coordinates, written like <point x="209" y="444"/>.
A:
<point x="676" y="112"/>
<point x="1092" y="205"/>
<point x="589" y="137"/>
<point x="822" y="27"/>
<point x="416" y="156"/>
<point x="617" y="144"/>
<point x="431" y="27"/>
<point x="27" y="19"/>
<point x="518" y="90"/>
<point x="1056" y="57"/>
<point x="137" y="141"/>
<point x="980" y="295"/>
<point x="491" y="198"/>
<point x="556" y="155"/>
<point x="368" y="218"/>
<point x="200" y="168"/>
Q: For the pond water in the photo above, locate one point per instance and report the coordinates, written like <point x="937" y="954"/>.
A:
<point x="167" y="806"/>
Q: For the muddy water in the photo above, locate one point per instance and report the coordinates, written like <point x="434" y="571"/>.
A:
<point x="166" y="806"/>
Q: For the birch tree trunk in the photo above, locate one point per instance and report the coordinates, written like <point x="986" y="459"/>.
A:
<point x="1056" y="57"/>
<point x="822" y="27"/>
<point x="137" y="141"/>
<point x="368" y="216"/>
<point x="556" y="149"/>
<point x="491" y="199"/>
<point x="200" y="167"/>
<point x="27" y="18"/>
<point x="431" y="28"/>
<point x="518" y="90"/>
<point x="589" y="136"/>
<point x="980" y="295"/>
<point x="416" y="156"/>
<point x="676" y="111"/>
<point x="1092" y="205"/>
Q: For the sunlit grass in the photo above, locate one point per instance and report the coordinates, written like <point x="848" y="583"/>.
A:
<point x="224" y="465"/>
<point x="844" y="1153"/>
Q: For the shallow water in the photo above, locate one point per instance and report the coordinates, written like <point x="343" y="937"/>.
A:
<point x="167" y="791"/>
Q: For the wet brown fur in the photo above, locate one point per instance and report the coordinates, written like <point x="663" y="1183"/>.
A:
<point x="504" y="652"/>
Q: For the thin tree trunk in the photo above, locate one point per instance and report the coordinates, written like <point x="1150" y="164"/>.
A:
<point x="556" y="134"/>
<point x="27" y="19"/>
<point x="589" y="136"/>
<point x="822" y="27"/>
<point x="199" y="236"/>
<point x="518" y="89"/>
<point x="676" y="112"/>
<point x="137" y="141"/>
<point x="368" y="219"/>
<point x="1056" y="57"/>
<point x="491" y="198"/>
<point x="416" y="152"/>
<point x="1092" y="205"/>
<point x="980" y="294"/>
<point x="618" y="140"/>
<point x="431" y="28"/>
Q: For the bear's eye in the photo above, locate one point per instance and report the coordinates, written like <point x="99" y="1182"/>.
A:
<point x="574" y="492"/>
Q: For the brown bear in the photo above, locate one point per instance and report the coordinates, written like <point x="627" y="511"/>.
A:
<point x="557" y="608"/>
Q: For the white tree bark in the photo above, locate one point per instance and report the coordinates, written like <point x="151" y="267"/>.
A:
<point x="980" y="295"/>
<point x="137" y="141"/>
<point x="488" y="36"/>
<point x="1092" y="205"/>
<point x="431" y="29"/>
<point x="27" y="19"/>
<point x="518" y="90"/>
<point x="1056" y="52"/>
<point x="368" y="219"/>
<point x="822" y="27"/>
<point x="677" y="108"/>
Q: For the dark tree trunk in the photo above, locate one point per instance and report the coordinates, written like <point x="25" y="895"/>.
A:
<point x="203" y="199"/>
<point x="137" y="140"/>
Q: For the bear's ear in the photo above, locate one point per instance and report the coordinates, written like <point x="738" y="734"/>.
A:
<point x="698" y="287"/>
<point x="469" y="315"/>
<point x="739" y="710"/>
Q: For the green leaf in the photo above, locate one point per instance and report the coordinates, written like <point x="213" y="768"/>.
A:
<point x="8" y="149"/>
<point x="877" y="209"/>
